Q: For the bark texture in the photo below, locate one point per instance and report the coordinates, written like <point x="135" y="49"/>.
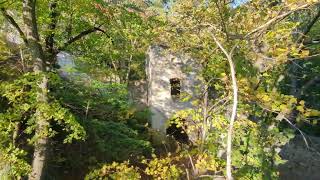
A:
<point x="37" y="55"/>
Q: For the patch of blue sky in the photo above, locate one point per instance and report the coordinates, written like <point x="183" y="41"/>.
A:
<point x="238" y="3"/>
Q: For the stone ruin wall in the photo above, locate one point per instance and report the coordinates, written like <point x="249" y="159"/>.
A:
<point x="162" y="66"/>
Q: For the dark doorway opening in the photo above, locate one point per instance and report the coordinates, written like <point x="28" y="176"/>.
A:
<point x="178" y="133"/>
<point x="175" y="87"/>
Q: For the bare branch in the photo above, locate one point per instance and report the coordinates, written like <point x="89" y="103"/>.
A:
<point x="281" y="117"/>
<point x="81" y="35"/>
<point x="295" y="127"/>
<point x="217" y="103"/>
<point x="311" y="42"/>
<point x="276" y="19"/>
<point x="309" y="27"/>
<point x="191" y="162"/>
<point x="234" y="107"/>
<point x="305" y="58"/>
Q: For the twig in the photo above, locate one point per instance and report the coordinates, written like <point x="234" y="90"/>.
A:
<point x="87" y="110"/>
<point x="305" y="58"/>
<point x="288" y="121"/>
<point x="295" y="127"/>
<point x="217" y="103"/>
<point x="191" y="161"/>
<point x="206" y="175"/>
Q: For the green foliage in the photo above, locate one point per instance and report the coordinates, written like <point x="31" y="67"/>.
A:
<point x="156" y="168"/>
<point x="163" y="168"/>
<point x="118" y="50"/>
<point x="260" y="56"/>
<point x="114" y="37"/>
<point x="21" y="97"/>
<point x="13" y="162"/>
<point x="115" y="130"/>
<point x="117" y="141"/>
<point x="255" y="149"/>
<point x="93" y="99"/>
<point x="4" y="51"/>
<point x="115" y="171"/>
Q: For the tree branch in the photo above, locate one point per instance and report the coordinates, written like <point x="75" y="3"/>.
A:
<point x="309" y="84"/>
<point x="80" y="36"/>
<point x="52" y="27"/>
<point x="3" y="2"/>
<point x="234" y="106"/>
<point x="277" y="18"/>
<point x="305" y="58"/>
<point x="11" y="20"/>
<point x="309" y="26"/>
<point x="281" y="116"/>
<point x="311" y="42"/>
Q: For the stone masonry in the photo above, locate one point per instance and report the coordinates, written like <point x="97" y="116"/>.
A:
<point x="165" y="71"/>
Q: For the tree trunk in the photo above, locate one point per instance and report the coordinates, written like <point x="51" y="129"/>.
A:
<point x="40" y="147"/>
<point x="205" y="117"/>
<point x="129" y="70"/>
<point x="234" y="108"/>
<point x="37" y="55"/>
<point x="50" y="42"/>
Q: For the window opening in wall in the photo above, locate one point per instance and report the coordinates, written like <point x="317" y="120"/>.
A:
<point x="175" y="87"/>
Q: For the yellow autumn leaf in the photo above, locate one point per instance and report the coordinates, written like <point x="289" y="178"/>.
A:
<point x="300" y="108"/>
<point x="304" y="53"/>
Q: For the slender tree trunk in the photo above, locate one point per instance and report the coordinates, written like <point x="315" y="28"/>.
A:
<point x="37" y="55"/>
<point x="205" y="117"/>
<point x="16" y="133"/>
<point x="51" y="57"/>
<point x="234" y="108"/>
<point x="129" y="70"/>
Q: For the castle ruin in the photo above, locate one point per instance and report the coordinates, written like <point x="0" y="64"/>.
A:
<point x="169" y="77"/>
